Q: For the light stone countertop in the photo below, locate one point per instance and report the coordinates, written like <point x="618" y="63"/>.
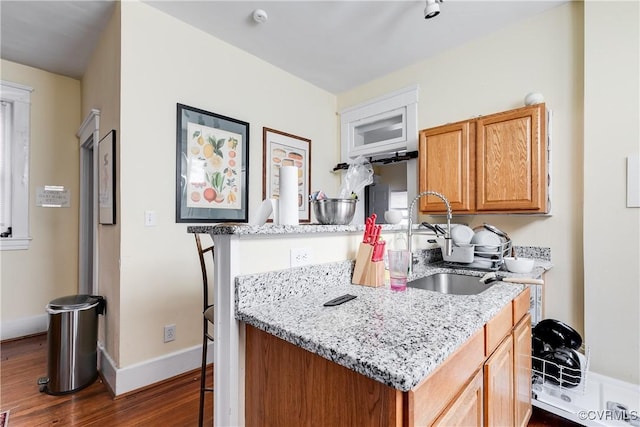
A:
<point x="397" y="338"/>
<point x="270" y="229"/>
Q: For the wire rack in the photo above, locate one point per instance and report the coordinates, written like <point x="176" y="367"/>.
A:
<point x="484" y="257"/>
<point x="553" y="378"/>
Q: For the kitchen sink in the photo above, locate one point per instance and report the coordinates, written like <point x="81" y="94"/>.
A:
<point x="450" y="283"/>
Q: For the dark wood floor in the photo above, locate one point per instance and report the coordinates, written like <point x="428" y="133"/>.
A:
<point x="171" y="403"/>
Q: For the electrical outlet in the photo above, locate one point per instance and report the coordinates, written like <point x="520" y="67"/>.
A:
<point x="300" y="256"/>
<point x="169" y="333"/>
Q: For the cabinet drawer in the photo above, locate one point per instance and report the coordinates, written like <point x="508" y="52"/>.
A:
<point x="521" y="305"/>
<point x="427" y="400"/>
<point x="467" y="410"/>
<point x="497" y="328"/>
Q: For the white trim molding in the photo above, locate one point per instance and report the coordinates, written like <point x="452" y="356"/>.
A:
<point x="133" y="377"/>
<point x="17" y="328"/>
<point x="88" y="136"/>
<point x="19" y="96"/>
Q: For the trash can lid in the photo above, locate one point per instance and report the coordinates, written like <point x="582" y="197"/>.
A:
<point x="74" y="302"/>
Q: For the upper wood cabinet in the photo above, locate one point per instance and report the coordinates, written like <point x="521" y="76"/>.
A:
<point x="491" y="164"/>
<point x="447" y="165"/>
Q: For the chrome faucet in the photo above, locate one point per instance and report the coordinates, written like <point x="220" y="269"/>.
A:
<point x="448" y="246"/>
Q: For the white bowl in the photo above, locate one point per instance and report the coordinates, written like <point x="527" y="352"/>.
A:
<point x="486" y="241"/>
<point x="519" y="265"/>
<point x="393" y="217"/>
<point x="461" y="234"/>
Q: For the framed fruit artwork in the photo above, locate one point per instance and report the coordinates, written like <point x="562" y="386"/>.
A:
<point x="212" y="167"/>
<point x="284" y="149"/>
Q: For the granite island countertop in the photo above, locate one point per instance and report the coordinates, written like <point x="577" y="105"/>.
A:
<point x="397" y="338"/>
<point x="272" y="229"/>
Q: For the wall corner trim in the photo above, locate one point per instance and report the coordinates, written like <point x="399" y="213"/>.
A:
<point x="136" y="376"/>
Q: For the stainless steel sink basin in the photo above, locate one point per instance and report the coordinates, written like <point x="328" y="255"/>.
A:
<point x="450" y="283"/>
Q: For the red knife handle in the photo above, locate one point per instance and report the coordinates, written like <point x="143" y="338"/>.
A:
<point x="378" y="251"/>
<point x="376" y="234"/>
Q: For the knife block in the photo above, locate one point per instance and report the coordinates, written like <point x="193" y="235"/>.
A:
<point x="367" y="272"/>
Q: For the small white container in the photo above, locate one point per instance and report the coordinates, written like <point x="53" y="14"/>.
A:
<point x="519" y="265"/>
<point x="393" y="217"/>
<point x="461" y="253"/>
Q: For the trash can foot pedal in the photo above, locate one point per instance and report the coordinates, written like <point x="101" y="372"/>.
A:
<point x="43" y="382"/>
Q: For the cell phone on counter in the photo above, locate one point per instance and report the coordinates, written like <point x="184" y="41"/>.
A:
<point x="340" y="300"/>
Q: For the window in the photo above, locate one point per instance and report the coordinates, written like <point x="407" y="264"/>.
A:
<point x="14" y="165"/>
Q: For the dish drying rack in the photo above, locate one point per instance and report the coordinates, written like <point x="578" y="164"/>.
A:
<point x="489" y="258"/>
<point x="550" y="378"/>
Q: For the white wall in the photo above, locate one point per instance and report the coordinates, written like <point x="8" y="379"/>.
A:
<point x="165" y="62"/>
<point x="612" y="132"/>
<point x="586" y="65"/>
<point x="101" y="90"/>
<point x="492" y="74"/>
<point x="49" y="268"/>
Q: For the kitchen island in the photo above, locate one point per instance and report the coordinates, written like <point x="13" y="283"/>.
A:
<point x="389" y="342"/>
<point x="262" y="253"/>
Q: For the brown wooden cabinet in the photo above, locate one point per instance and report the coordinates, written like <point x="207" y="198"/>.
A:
<point x="505" y="396"/>
<point x="492" y="164"/>
<point x="445" y="382"/>
<point x="522" y="371"/>
<point x="467" y="409"/>
<point x="498" y="380"/>
<point x="447" y="165"/>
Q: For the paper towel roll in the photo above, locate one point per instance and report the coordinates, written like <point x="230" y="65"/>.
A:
<point x="274" y="203"/>
<point x="288" y="201"/>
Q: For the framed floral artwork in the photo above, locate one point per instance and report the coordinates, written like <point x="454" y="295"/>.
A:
<point x="212" y="167"/>
<point x="284" y="149"/>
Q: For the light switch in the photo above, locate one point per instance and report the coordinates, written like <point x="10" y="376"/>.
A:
<point x="149" y="218"/>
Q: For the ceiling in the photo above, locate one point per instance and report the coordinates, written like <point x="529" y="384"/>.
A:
<point x="335" y="45"/>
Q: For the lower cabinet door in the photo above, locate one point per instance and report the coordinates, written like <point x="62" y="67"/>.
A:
<point x="466" y="410"/>
<point x="498" y="382"/>
<point x="522" y="371"/>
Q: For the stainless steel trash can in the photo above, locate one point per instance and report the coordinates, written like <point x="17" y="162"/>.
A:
<point x="72" y="339"/>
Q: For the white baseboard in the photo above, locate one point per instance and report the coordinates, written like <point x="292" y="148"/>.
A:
<point x="10" y="329"/>
<point x="121" y="380"/>
<point x="124" y="380"/>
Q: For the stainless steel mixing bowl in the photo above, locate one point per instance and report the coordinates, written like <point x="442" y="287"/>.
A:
<point x="334" y="211"/>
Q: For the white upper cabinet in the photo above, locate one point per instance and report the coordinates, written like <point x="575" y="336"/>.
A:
<point x="382" y="125"/>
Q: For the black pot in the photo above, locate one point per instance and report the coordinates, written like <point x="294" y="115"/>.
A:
<point x="562" y="367"/>
<point x="557" y="334"/>
<point x="538" y="347"/>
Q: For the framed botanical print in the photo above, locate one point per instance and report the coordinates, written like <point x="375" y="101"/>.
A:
<point x="212" y="167"/>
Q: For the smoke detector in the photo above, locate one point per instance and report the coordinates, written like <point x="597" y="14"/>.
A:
<point x="260" y="16"/>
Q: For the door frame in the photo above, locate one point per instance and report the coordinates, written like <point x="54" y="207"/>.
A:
<point x="88" y="136"/>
